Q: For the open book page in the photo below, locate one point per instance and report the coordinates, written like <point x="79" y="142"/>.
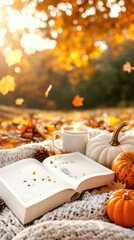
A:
<point x="30" y="182"/>
<point x="76" y="168"/>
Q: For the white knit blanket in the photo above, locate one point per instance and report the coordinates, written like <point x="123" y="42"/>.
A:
<point x="82" y="219"/>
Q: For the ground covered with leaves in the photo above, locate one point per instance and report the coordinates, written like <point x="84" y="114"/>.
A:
<point x="21" y="126"/>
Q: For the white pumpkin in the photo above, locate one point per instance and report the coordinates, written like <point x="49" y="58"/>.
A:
<point x="130" y="131"/>
<point x="93" y="132"/>
<point x="105" y="147"/>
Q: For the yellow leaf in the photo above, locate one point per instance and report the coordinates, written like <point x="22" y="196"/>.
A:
<point x="114" y="121"/>
<point x="50" y="128"/>
<point x="111" y="187"/>
<point x="19" y="101"/>
<point x="7" y="84"/>
<point x="13" y="57"/>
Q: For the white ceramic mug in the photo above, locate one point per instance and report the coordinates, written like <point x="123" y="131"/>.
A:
<point x="73" y="139"/>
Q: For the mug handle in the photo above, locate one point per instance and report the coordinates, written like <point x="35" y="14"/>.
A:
<point x="54" y="138"/>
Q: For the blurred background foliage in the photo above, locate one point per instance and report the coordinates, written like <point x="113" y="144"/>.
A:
<point x="76" y="47"/>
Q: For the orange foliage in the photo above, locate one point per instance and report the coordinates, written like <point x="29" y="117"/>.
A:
<point x="26" y="125"/>
<point x="81" y="22"/>
<point x="127" y="67"/>
<point x="77" y="101"/>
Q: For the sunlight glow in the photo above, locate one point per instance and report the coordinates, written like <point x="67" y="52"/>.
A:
<point x="121" y="3"/>
<point x="32" y="42"/>
<point x="90" y="1"/>
<point x="89" y="12"/>
<point x="69" y="12"/>
<point x="17" y="70"/>
<point x="41" y="15"/>
<point x="101" y="44"/>
<point x="20" y="21"/>
<point x="79" y="2"/>
<point x="51" y="23"/>
<point x="54" y="34"/>
<point x="79" y="28"/>
<point x="100" y="6"/>
<point x="31" y="20"/>
<point x="66" y="7"/>
<point x="100" y="3"/>
<point x="62" y="6"/>
<point x="2" y="35"/>
<point x="115" y="10"/>
<point x="5" y="3"/>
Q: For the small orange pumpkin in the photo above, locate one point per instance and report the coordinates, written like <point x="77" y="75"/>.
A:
<point x="120" y="207"/>
<point x="123" y="165"/>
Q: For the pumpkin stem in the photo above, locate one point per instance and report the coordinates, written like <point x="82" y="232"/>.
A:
<point x="114" y="141"/>
<point x="126" y="196"/>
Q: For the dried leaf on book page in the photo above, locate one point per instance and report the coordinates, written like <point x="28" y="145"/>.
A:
<point x="111" y="187"/>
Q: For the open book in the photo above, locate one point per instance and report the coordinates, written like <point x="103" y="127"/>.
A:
<point x="30" y="188"/>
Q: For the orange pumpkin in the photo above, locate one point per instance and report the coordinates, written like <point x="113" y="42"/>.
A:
<point x="120" y="207"/>
<point x="123" y="165"/>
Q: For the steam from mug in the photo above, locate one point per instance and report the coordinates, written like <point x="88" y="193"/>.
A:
<point x="72" y="139"/>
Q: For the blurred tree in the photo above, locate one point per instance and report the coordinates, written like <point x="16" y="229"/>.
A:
<point x="82" y="29"/>
<point x="110" y="85"/>
<point x="59" y="43"/>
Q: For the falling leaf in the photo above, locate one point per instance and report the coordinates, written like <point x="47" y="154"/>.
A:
<point x="7" y="84"/>
<point x="111" y="187"/>
<point x="48" y="90"/>
<point x="13" y="56"/>
<point x="19" y="101"/>
<point x="77" y="101"/>
<point x="127" y="67"/>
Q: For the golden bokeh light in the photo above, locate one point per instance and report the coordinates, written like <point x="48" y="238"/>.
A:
<point x="26" y="22"/>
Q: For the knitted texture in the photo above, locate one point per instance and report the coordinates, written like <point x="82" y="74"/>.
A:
<point x="24" y="151"/>
<point x="75" y="230"/>
<point x="85" y="218"/>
